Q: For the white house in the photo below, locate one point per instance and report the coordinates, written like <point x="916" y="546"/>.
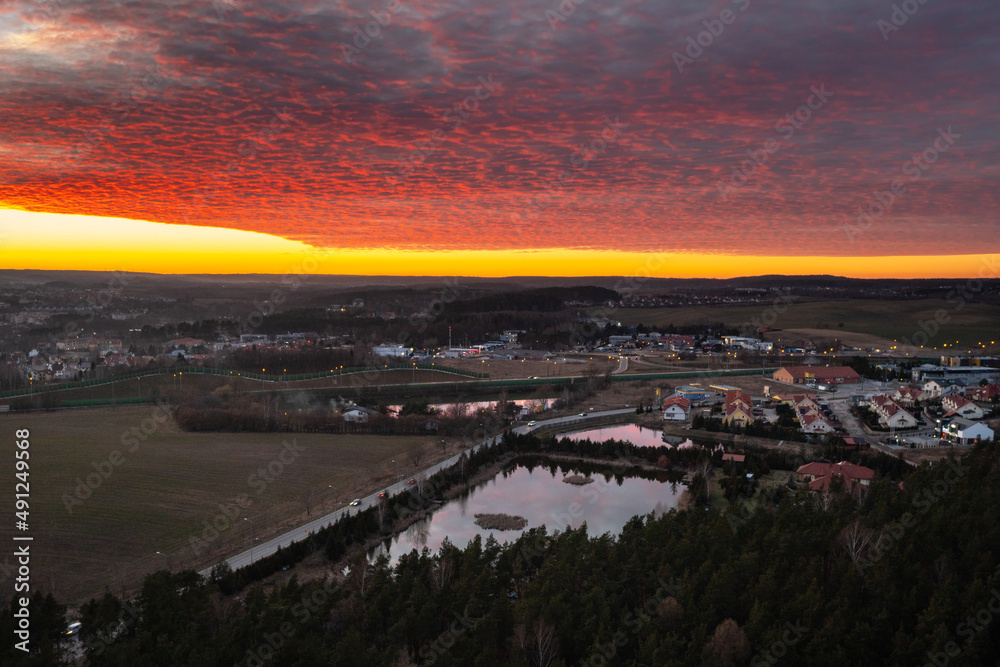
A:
<point x="962" y="406"/>
<point x="939" y="388"/>
<point x="815" y="423"/>
<point x="964" y="432"/>
<point x="358" y="414"/>
<point x="676" y="408"/>
<point x="894" y="416"/>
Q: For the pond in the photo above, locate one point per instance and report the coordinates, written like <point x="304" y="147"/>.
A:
<point x="637" y="435"/>
<point x="472" y="407"/>
<point x="534" y="490"/>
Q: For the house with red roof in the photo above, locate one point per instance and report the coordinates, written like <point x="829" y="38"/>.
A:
<point x="890" y="413"/>
<point x="738" y="413"/>
<point x="961" y="406"/>
<point x="908" y="396"/>
<point x="816" y="423"/>
<point x="819" y="474"/>
<point x="676" y="408"/>
<point x="986" y="394"/>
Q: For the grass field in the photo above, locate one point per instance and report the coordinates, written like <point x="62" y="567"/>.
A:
<point x="161" y="494"/>
<point x="971" y="325"/>
<point x="501" y="369"/>
<point x="190" y="384"/>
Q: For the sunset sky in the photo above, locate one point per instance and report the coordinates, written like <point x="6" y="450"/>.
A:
<point x="521" y="137"/>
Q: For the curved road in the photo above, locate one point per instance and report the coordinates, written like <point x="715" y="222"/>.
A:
<point x="271" y="546"/>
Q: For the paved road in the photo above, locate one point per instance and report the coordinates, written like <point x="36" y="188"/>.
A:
<point x="269" y="547"/>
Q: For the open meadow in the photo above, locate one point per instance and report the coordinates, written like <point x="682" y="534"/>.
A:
<point x="972" y="325"/>
<point x="106" y="496"/>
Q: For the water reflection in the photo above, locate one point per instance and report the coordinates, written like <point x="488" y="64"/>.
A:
<point x="637" y="435"/>
<point x="534" y="489"/>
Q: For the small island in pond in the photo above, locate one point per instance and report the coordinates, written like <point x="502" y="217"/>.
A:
<point x="579" y="480"/>
<point x="500" y="522"/>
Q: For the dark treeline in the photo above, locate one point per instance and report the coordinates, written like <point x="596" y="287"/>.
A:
<point x="903" y="574"/>
<point x="543" y="299"/>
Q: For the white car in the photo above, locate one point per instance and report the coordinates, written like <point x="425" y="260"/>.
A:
<point x="530" y="424"/>
<point x="72" y="629"/>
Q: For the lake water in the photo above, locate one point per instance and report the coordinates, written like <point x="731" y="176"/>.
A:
<point x="471" y="407"/>
<point x="637" y="435"/>
<point x="539" y="495"/>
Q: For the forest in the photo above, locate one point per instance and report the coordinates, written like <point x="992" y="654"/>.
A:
<point x="905" y="573"/>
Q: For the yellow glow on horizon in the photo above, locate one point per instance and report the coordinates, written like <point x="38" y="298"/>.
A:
<point x="71" y="242"/>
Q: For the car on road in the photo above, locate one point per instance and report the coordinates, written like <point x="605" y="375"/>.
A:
<point x="355" y="502"/>
<point x="583" y="414"/>
<point x="530" y="424"/>
<point x="72" y="629"/>
<point x="412" y="481"/>
<point x="382" y="495"/>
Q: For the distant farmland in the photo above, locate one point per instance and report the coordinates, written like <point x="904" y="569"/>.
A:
<point x="158" y="496"/>
<point x="972" y="324"/>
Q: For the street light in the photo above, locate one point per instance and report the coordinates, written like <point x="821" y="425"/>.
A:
<point x="251" y="538"/>
<point x="169" y="567"/>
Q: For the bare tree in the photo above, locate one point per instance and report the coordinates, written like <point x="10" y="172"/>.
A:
<point x="441" y="573"/>
<point x="824" y="500"/>
<point x="539" y="642"/>
<point x="415" y="454"/>
<point x="306" y="497"/>
<point x="728" y="646"/>
<point x="382" y="507"/>
<point x="704" y="469"/>
<point x="856" y="540"/>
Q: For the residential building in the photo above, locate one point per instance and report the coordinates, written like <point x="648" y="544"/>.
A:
<point x="816" y="423"/>
<point x="358" y="414"/>
<point x="908" y="396"/>
<point x="961" y="406"/>
<point x="676" y="408"/>
<point x="812" y="374"/>
<point x="961" y="431"/>
<point x="987" y="394"/>
<point x="818" y="475"/>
